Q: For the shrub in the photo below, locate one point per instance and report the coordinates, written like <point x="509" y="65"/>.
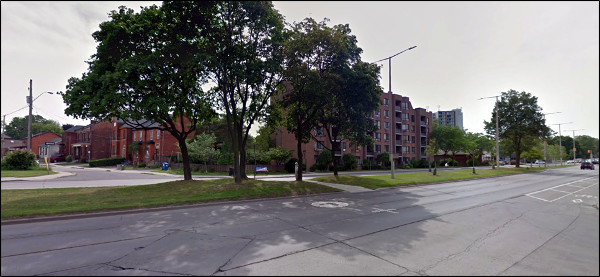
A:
<point x="350" y="161"/>
<point x="68" y="158"/>
<point x="142" y="164"/>
<point x="19" y="160"/>
<point x="106" y="162"/>
<point x="339" y="168"/>
<point x="313" y="167"/>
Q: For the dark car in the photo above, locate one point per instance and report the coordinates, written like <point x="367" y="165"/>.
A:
<point x="587" y="165"/>
<point x="57" y="157"/>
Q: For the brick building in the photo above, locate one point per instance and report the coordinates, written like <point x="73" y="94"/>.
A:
<point x="85" y="143"/>
<point x="153" y="145"/>
<point x="40" y="139"/>
<point x="407" y="127"/>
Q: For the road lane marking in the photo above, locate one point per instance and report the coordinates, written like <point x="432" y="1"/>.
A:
<point x="566" y="193"/>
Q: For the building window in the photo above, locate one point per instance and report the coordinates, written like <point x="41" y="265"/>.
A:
<point x="386" y="102"/>
<point x="141" y="138"/>
<point x="123" y="152"/>
<point x="413" y="139"/>
<point x="405" y="149"/>
<point x="377" y="113"/>
<point x="319" y="145"/>
<point x="151" y="134"/>
<point x="147" y="152"/>
<point x="377" y="148"/>
<point x="157" y="134"/>
<point x="386" y="136"/>
<point x="412" y="118"/>
<point x="386" y="125"/>
<point x="413" y="150"/>
<point x="406" y="138"/>
<point x="378" y="123"/>
<point x="387" y="148"/>
<point x="377" y="136"/>
<point x="319" y="131"/>
<point x="115" y="135"/>
<point x="343" y="146"/>
<point x="404" y="106"/>
<point x="405" y="116"/>
<point x="134" y="136"/>
<point x="386" y="113"/>
<point x="404" y="127"/>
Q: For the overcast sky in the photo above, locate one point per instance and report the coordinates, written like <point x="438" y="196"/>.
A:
<point x="465" y="51"/>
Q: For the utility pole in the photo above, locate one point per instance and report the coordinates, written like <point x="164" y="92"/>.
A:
<point x="497" y="127"/>
<point x="392" y="148"/>
<point x="546" y="160"/>
<point x="574" y="149"/>
<point x="560" y="140"/>
<point x="30" y="102"/>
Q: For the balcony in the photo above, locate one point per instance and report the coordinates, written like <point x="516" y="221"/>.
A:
<point x="337" y="153"/>
<point x="398" y="131"/>
<point x="398" y="142"/>
<point x="370" y="154"/>
<point x="423" y="123"/>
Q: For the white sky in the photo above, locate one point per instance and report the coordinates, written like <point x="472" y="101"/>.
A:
<point x="465" y="51"/>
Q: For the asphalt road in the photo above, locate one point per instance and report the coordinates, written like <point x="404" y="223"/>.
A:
<point x="529" y="224"/>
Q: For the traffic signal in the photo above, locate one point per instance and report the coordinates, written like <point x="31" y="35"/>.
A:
<point x="589" y="151"/>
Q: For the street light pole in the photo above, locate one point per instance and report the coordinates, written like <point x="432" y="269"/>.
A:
<point x="560" y="140"/>
<point x="574" y="157"/>
<point x="545" y="160"/>
<point x="497" y="127"/>
<point x="30" y="102"/>
<point x="392" y="148"/>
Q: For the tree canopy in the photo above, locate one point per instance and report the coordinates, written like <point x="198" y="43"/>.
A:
<point x="148" y="65"/>
<point x="329" y="86"/>
<point x="520" y="118"/>
<point x="246" y="56"/>
<point x="17" y="128"/>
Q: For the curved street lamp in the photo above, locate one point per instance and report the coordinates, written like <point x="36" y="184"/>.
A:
<point x="392" y="148"/>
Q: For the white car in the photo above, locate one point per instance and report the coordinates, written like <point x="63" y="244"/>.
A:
<point x="570" y="162"/>
<point x="540" y="162"/>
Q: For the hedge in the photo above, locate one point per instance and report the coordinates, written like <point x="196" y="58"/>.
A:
<point x="106" y="162"/>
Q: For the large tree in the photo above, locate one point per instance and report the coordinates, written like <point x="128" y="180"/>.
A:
<point x="520" y="119"/>
<point x="328" y="86"/>
<point x="148" y="65"/>
<point x="449" y="139"/>
<point x="17" y="128"/>
<point x="246" y="64"/>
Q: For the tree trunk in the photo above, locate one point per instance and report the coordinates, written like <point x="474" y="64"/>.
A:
<point x="334" y="147"/>
<point x="187" y="172"/>
<point x="299" y="149"/>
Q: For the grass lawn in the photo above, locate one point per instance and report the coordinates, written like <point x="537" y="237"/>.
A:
<point x="38" y="171"/>
<point x="201" y="172"/>
<point x="381" y="181"/>
<point x="36" y="202"/>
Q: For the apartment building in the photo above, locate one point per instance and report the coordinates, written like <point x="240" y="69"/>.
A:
<point x="453" y="118"/>
<point x="403" y="132"/>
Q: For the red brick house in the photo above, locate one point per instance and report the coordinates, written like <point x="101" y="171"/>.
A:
<point x="91" y="142"/>
<point x="153" y="145"/>
<point x="40" y="139"/>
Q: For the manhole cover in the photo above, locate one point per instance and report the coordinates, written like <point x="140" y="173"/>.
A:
<point x="329" y="204"/>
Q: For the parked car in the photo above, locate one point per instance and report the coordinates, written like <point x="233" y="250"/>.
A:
<point x="570" y="162"/>
<point x="587" y="165"/>
<point x="57" y="157"/>
<point x="502" y="162"/>
<point x="539" y="162"/>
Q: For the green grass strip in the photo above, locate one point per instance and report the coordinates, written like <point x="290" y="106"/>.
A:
<point x="40" y="171"/>
<point x="35" y="202"/>
<point x="403" y="179"/>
